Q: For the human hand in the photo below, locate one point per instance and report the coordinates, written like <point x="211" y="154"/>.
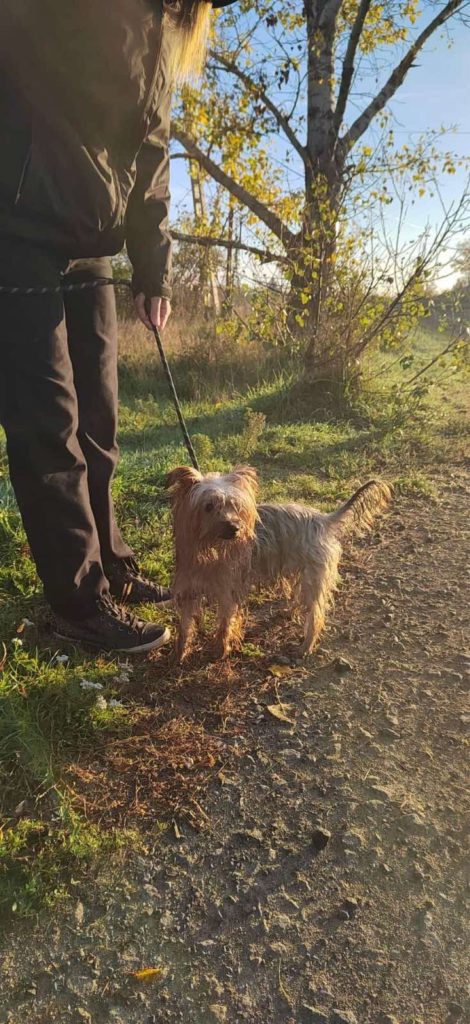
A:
<point x="154" y="312"/>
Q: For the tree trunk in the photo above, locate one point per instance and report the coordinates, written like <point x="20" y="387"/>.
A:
<point x="313" y="280"/>
<point x="323" y="176"/>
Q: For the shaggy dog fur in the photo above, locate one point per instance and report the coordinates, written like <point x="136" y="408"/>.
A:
<point x="225" y="543"/>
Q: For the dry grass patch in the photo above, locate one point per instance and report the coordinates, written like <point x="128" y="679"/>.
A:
<point x="185" y="729"/>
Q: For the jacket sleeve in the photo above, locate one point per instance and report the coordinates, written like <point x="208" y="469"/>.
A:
<point x="147" y="229"/>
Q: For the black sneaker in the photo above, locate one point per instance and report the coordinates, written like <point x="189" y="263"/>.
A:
<point x="113" y="629"/>
<point x="128" y="586"/>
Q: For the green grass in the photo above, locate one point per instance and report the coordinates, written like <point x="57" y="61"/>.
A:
<point x="47" y="719"/>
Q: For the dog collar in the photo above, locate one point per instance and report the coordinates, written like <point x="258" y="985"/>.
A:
<point x="221" y="3"/>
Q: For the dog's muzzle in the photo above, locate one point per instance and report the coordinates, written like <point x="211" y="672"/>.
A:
<point x="229" y="531"/>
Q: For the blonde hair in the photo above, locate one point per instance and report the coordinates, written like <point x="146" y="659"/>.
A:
<point x="190" y="21"/>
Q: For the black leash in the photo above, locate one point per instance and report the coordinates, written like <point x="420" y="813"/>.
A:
<point x="100" y="282"/>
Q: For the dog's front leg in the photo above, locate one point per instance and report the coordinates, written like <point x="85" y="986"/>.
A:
<point x="189" y="609"/>
<point x="228" y="628"/>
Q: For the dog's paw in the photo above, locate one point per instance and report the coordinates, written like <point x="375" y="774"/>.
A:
<point x="220" y="651"/>
<point x="181" y="653"/>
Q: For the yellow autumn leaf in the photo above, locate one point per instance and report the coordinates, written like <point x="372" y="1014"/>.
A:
<point x="280" y="670"/>
<point x="281" y="711"/>
<point x="227" y="780"/>
<point x="148" y="973"/>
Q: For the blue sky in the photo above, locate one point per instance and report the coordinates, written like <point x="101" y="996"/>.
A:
<point x="434" y="94"/>
<point x="438" y="93"/>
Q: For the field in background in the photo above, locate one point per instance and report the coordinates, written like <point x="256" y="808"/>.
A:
<point x="54" y="819"/>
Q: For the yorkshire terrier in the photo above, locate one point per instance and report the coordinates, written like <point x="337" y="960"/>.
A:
<point x="225" y="543"/>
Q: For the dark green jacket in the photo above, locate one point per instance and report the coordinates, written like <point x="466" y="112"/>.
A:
<point x="84" y="126"/>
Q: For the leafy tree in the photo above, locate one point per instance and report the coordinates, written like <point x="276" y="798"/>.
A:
<point x="283" y="98"/>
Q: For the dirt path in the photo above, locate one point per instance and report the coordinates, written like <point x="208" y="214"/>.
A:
<point x="252" y="921"/>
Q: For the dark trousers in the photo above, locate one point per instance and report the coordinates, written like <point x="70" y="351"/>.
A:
<point x="58" y="407"/>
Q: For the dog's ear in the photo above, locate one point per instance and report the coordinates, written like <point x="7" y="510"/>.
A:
<point x="245" y="477"/>
<point x="180" y="480"/>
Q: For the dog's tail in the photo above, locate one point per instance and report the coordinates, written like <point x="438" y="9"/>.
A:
<point x="360" y="510"/>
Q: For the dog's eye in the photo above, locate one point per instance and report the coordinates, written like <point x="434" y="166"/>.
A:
<point x="209" y="506"/>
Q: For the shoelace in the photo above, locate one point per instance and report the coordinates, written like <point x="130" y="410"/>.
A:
<point x="106" y="604"/>
<point x="135" y="571"/>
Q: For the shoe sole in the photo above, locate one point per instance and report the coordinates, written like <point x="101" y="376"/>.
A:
<point x="152" y="645"/>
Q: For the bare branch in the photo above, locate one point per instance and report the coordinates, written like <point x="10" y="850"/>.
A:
<point x="229" y="243"/>
<point x="361" y="123"/>
<point x="264" y="214"/>
<point x="453" y="220"/>
<point x="281" y="119"/>
<point x="348" y="63"/>
<point x="445" y="351"/>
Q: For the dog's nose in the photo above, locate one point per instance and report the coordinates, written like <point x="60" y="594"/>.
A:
<point x="231" y="530"/>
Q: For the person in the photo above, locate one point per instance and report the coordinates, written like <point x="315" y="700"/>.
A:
<point x="85" y="94"/>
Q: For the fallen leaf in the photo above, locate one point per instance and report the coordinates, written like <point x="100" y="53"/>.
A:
<point x="280" y="670"/>
<point x="226" y="780"/>
<point x="176" y="831"/>
<point x="148" y="973"/>
<point x="281" y="711"/>
<point x="25" y="624"/>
